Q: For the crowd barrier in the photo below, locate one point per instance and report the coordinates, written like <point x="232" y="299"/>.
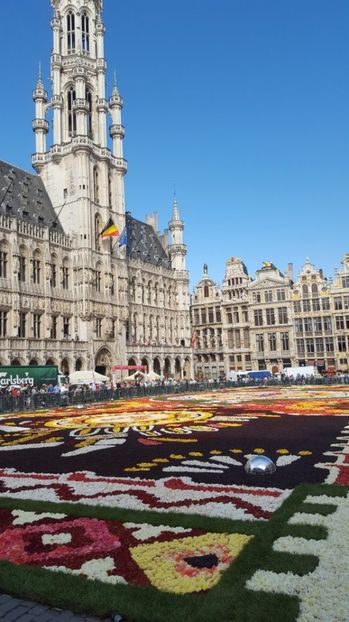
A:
<point x="41" y="401"/>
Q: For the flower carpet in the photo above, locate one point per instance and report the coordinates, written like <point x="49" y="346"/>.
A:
<point x="145" y="508"/>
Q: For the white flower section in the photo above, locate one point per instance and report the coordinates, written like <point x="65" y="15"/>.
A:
<point x="144" y="531"/>
<point x="323" y="593"/>
<point x="57" y="538"/>
<point x="301" y="518"/>
<point x="24" y="518"/>
<point x="94" y="569"/>
<point x="286" y="460"/>
<point x="324" y="499"/>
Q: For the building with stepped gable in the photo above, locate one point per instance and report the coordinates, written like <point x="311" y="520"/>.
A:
<point x="70" y="296"/>
<point x="272" y="321"/>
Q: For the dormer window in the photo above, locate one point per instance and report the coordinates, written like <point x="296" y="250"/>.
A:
<point x="71" y="32"/>
<point x="85" y="33"/>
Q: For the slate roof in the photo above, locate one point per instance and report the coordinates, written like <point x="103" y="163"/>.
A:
<point x="23" y="196"/>
<point x="144" y="244"/>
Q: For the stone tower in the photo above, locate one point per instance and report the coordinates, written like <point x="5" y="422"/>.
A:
<point x="83" y="177"/>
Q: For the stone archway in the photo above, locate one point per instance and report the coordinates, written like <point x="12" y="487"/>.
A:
<point x="103" y="362"/>
<point x="33" y="362"/>
<point x="178" y="369"/>
<point x="157" y="366"/>
<point x="78" y="364"/>
<point x="65" y="368"/>
<point x="146" y="363"/>
<point x="50" y="362"/>
<point x="16" y="363"/>
<point x="167" y="367"/>
<point x="187" y="368"/>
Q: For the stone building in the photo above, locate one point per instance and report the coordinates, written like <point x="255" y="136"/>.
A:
<point x="272" y="322"/>
<point x="69" y="295"/>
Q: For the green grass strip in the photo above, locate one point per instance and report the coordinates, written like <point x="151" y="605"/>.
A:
<point x="285" y="562"/>
<point x="229" y="601"/>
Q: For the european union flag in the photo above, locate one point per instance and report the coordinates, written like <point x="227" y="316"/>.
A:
<point x="122" y="241"/>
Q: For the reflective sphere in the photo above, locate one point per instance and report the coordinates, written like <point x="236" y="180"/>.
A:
<point x="260" y="465"/>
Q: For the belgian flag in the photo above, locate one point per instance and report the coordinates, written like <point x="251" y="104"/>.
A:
<point x="110" y="230"/>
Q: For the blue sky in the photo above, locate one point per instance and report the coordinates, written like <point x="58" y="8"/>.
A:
<point x="242" y="104"/>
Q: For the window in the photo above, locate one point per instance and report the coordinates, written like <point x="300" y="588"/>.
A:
<point x="89" y="116"/>
<point x="310" y="347"/>
<point x="98" y="327"/>
<point x="112" y="329"/>
<point x="66" y="327"/>
<point x="268" y="296"/>
<point x="3" y="323"/>
<point x="36" y="267"/>
<point x="237" y="338"/>
<point x="347" y="321"/>
<point x="345" y="281"/>
<point x="258" y="317"/>
<point x="325" y="304"/>
<point x="342" y="343"/>
<point x="346" y="302"/>
<point x="71" y="112"/>
<point x="236" y="315"/>
<point x="283" y="318"/>
<point x="210" y="316"/>
<point x="281" y="294"/>
<point x="65" y="277"/>
<point x="305" y="290"/>
<point x="22" y="324"/>
<point x="272" y="341"/>
<point x="338" y="304"/>
<point x="218" y="315"/>
<point x="22" y="269"/>
<point x="298" y="325"/>
<point x="3" y="264"/>
<point x="317" y="323"/>
<point x="308" y="325"/>
<point x="203" y="316"/>
<point x="229" y="316"/>
<point x="260" y="343"/>
<point x="327" y="324"/>
<point x="53" y="327"/>
<point x="314" y="290"/>
<point x="85" y="33"/>
<point x="98" y="280"/>
<point x="306" y="306"/>
<point x="96" y="184"/>
<point x="256" y="297"/>
<point x="329" y="344"/>
<point x="316" y="304"/>
<point x="285" y="341"/>
<point x="36" y="325"/>
<point x="71" y="32"/>
<point x="244" y="314"/>
<point x="297" y="306"/>
<point x="53" y="277"/>
<point x="112" y="284"/>
<point x="339" y="322"/>
<point x="300" y="347"/>
<point x="319" y="342"/>
<point x="270" y="313"/>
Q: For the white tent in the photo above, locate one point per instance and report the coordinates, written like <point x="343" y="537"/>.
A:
<point x="138" y="375"/>
<point x="153" y="376"/>
<point x="86" y="377"/>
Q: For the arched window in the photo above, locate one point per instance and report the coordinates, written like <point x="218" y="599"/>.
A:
<point x="71" y="113"/>
<point x="305" y="290"/>
<point x="97" y="231"/>
<point x="85" y="33"/>
<point x="206" y="291"/>
<point x="71" y="32"/>
<point x="314" y="289"/>
<point x="89" y="117"/>
<point x="96" y="184"/>
<point x="110" y="194"/>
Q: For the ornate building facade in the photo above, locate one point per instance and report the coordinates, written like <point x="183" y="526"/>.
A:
<point x="69" y="296"/>
<point x="271" y="322"/>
